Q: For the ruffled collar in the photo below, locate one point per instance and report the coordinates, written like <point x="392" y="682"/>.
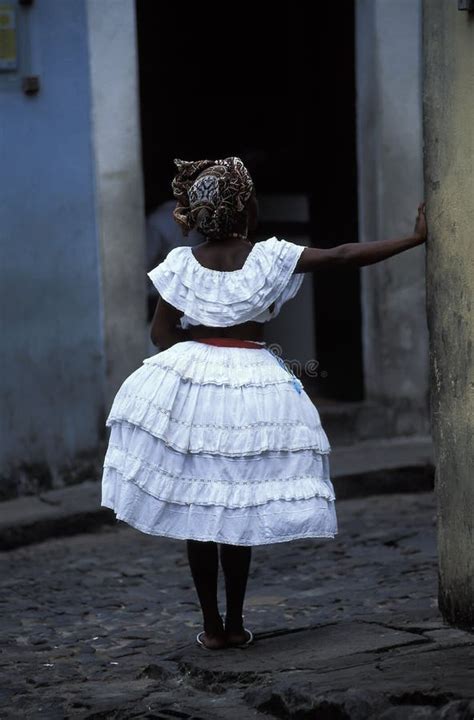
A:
<point x="249" y="260"/>
<point x="216" y="297"/>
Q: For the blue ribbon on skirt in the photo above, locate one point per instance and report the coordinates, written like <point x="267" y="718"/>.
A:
<point x="297" y="384"/>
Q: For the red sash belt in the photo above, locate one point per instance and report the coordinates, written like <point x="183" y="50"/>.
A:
<point x="231" y="342"/>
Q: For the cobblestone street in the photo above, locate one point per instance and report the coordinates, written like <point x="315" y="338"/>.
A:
<point x="103" y="625"/>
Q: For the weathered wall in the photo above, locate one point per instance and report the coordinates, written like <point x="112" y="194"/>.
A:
<point x="119" y="186"/>
<point x="72" y="267"/>
<point x="449" y="178"/>
<point x="52" y="371"/>
<point x="389" y="145"/>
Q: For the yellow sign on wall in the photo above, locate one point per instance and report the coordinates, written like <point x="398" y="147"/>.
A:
<point x="8" y="42"/>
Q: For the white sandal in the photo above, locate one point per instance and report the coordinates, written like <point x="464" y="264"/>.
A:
<point x="238" y="645"/>
<point x="200" y="642"/>
<point x="247" y="642"/>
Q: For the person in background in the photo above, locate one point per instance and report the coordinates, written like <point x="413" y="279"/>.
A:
<point x="162" y="235"/>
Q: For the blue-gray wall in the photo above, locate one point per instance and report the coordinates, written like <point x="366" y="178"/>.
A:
<point x="52" y="368"/>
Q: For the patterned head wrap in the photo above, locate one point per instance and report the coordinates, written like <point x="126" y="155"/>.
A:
<point x="210" y="195"/>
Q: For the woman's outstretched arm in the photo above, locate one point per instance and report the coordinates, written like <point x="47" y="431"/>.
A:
<point x="359" y="254"/>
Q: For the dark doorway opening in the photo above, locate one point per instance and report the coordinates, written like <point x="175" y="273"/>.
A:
<point x="280" y="93"/>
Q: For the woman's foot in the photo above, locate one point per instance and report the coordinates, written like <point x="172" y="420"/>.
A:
<point x="213" y="642"/>
<point x="235" y="633"/>
<point x="213" y="636"/>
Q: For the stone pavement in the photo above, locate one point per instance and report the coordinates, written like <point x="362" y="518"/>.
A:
<point x="103" y="625"/>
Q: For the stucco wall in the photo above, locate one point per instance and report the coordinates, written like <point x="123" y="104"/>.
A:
<point x="51" y="388"/>
<point x="449" y="176"/>
<point x="72" y="271"/>
<point x="119" y="186"/>
<point x="390" y="170"/>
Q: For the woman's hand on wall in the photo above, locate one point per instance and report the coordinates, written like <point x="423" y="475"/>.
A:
<point x="421" y="228"/>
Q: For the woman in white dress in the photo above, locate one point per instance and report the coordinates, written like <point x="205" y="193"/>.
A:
<point x="213" y="440"/>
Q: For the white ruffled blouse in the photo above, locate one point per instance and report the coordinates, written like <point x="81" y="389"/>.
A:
<point x="219" y="298"/>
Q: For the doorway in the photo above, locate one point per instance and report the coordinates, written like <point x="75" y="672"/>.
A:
<point x="280" y="93"/>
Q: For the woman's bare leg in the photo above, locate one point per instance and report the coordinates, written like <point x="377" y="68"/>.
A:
<point x="204" y="563"/>
<point x="235" y="561"/>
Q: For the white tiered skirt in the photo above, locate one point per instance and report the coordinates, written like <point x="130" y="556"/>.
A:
<point x="216" y="443"/>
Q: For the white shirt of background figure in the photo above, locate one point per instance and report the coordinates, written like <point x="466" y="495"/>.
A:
<point x="163" y="234"/>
